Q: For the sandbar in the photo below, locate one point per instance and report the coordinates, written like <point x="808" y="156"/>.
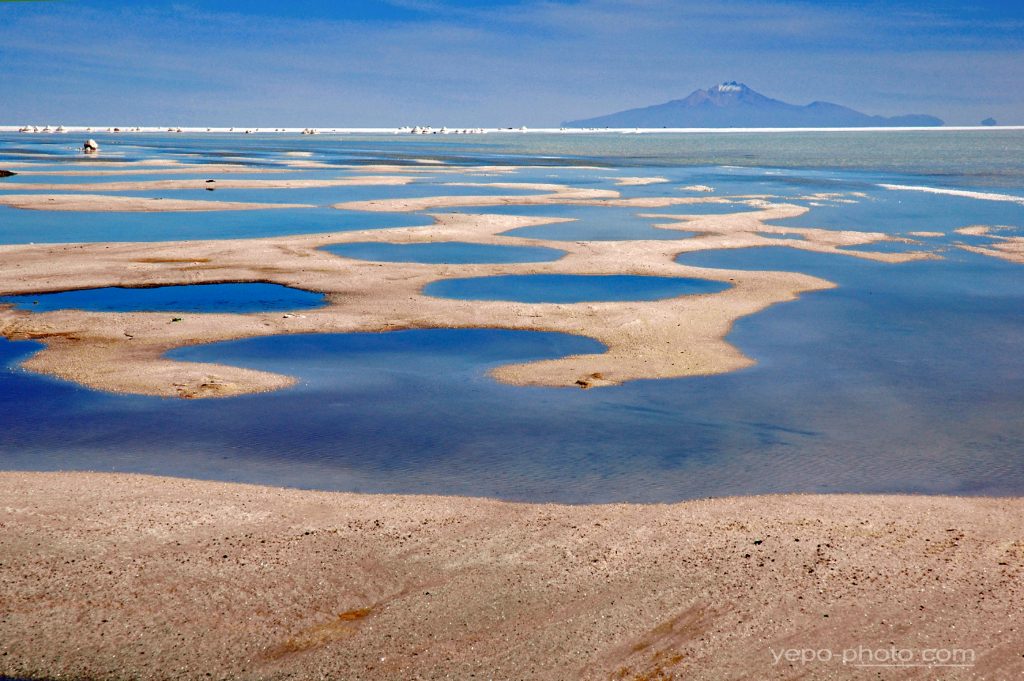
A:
<point x="1009" y="248"/>
<point x="132" y="577"/>
<point x="753" y="228"/>
<point x="639" y="181"/>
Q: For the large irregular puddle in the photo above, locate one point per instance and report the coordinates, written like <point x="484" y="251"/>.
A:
<point x="601" y="223"/>
<point x="204" y="298"/>
<point x="444" y="252"/>
<point x="349" y="360"/>
<point x="571" y="288"/>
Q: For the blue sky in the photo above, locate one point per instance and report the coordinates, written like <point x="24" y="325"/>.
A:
<point x="505" y="62"/>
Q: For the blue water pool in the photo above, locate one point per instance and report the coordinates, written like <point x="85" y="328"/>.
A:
<point x="571" y="288"/>
<point x="444" y="252"/>
<point x="592" y="223"/>
<point x="238" y="298"/>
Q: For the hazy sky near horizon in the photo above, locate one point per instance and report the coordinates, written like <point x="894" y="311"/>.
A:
<point x="504" y="62"/>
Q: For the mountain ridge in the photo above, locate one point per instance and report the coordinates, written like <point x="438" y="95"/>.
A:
<point x="734" y="105"/>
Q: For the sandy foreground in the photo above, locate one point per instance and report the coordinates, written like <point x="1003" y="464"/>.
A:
<point x="130" y="577"/>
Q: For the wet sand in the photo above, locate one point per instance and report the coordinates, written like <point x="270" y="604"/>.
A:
<point x="130" y="577"/>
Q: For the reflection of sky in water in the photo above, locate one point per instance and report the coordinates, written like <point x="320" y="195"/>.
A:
<point x="570" y="288"/>
<point x="591" y="223"/>
<point x="905" y="378"/>
<point x="444" y="252"/>
<point x="975" y="158"/>
<point x="862" y="388"/>
<point x="140" y="175"/>
<point x="317" y="196"/>
<point x="899" y="212"/>
<point x="239" y="298"/>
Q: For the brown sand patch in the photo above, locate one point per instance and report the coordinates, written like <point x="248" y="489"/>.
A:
<point x="320" y="635"/>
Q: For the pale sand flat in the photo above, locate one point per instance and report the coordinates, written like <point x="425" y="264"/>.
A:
<point x="130" y="577"/>
<point x="639" y="181"/>
<point x="974" y="230"/>
<point x="128" y="204"/>
<point x="1010" y="249"/>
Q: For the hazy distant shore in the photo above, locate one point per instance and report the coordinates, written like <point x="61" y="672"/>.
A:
<point x="131" y="129"/>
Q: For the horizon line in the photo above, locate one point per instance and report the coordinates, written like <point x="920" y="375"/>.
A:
<point x="458" y="130"/>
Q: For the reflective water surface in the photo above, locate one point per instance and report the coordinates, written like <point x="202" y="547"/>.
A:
<point x="904" y="378"/>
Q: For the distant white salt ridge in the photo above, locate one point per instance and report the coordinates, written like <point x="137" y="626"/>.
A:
<point x="984" y="196"/>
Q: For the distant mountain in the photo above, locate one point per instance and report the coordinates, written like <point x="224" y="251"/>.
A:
<point x="734" y="105"/>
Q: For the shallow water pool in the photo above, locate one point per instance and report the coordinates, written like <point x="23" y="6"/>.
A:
<point x="570" y="288"/>
<point x="237" y="298"/>
<point x="444" y="252"/>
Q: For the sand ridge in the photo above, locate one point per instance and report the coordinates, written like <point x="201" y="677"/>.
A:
<point x="133" y="577"/>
